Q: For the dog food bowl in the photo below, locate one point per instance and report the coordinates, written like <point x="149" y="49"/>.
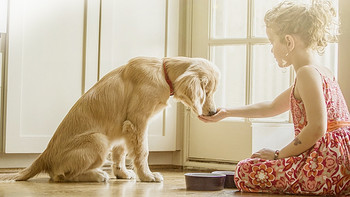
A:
<point x="229" y="180"/>
<point x="205" y="181"/>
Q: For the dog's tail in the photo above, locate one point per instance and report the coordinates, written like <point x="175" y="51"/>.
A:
<point x="23" y="175"/>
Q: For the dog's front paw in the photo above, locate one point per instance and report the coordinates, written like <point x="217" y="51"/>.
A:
<point x="123" y="173"/>
<point x="127" y="174"/>
<point x="102" y="176"/>
<point x="153" y="177"/>
<point x="158" y="177"/>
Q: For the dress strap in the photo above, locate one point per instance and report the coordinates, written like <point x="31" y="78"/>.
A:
<point x="323" y="76"/>
<point x="333" y="125"/>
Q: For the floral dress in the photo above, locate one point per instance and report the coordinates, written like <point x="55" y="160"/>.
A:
<point x="324" y="169"/>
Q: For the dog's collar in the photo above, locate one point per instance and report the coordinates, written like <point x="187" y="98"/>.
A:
<point x="168" y="80"/>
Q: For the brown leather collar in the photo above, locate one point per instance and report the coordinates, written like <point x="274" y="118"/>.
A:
<point x="168" y="80"/>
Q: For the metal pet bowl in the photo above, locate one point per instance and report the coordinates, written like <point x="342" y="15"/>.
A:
<point x="205" y="181"/>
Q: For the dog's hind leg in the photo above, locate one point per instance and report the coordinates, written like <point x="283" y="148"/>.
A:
<point x="95" y="175"/>
<point x="137" y="139"/>
<point x="119" y="169"/>
<point x="81" y="161"/>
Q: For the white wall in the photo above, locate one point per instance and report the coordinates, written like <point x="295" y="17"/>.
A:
<point x="274" y="136"/>
<point x="3" y="16"/>
<point x="344" y="48"/>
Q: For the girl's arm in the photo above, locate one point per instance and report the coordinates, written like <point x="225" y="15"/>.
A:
<point x="259" y="110"/>
<point x="309" y="89"/>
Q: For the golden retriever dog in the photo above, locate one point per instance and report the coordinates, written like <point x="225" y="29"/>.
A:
<point x="113" y="116"/>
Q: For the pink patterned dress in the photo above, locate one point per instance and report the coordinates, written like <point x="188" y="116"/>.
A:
<point x="324" y="169"/>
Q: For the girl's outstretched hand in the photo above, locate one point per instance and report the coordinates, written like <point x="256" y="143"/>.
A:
<point x="220" y="114"/>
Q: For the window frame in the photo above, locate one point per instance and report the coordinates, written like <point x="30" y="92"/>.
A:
<point x="249" y="41"/>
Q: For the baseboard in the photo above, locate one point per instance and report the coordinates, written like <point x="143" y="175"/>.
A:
<point x="24" y="160"/>
<point x="16" y="160"/>
<point x="208" y="166"/>
<point x="173" y="167"/>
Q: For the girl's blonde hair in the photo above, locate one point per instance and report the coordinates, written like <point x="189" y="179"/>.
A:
<point x="316" y="22"/>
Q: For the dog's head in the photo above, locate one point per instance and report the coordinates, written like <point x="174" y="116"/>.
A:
<point x="196" y="86"/>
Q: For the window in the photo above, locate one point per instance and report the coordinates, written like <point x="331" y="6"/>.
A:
<point x="238" y="45"/>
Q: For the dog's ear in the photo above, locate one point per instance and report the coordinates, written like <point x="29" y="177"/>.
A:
<point x="204" y="82"/>
<point x="189" y="89"/>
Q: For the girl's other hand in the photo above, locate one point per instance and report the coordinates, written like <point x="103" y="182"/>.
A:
<point x="264" y="153"/>
<point x="220" y="114"/>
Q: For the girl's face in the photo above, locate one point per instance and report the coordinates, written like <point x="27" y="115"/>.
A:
<point x="279" y="49"/>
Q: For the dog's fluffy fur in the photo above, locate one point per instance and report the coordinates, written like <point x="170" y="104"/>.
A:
<point x="115" y="112"/>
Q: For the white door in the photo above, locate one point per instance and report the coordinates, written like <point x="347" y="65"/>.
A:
<point x="231" y="33"/>
<point x="142" y="28"/>
<point x="57" y="50"/>
<point x="44" y="71"/>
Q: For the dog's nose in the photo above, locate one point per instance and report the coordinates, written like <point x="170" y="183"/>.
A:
<point x="212" y="113"/>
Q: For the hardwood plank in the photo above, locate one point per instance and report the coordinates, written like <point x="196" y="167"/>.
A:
<point x="173" y="185"/>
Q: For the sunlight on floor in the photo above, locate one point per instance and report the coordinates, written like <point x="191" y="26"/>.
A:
<point x="173" y="185"/>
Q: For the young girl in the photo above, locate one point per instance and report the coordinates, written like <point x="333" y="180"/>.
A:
<point x="317" y="161"/>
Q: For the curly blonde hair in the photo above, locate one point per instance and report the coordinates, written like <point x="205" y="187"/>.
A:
<point x="316" y="22"/>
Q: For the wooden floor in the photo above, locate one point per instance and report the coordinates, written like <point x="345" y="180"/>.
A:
<point x="173" y="185"/>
